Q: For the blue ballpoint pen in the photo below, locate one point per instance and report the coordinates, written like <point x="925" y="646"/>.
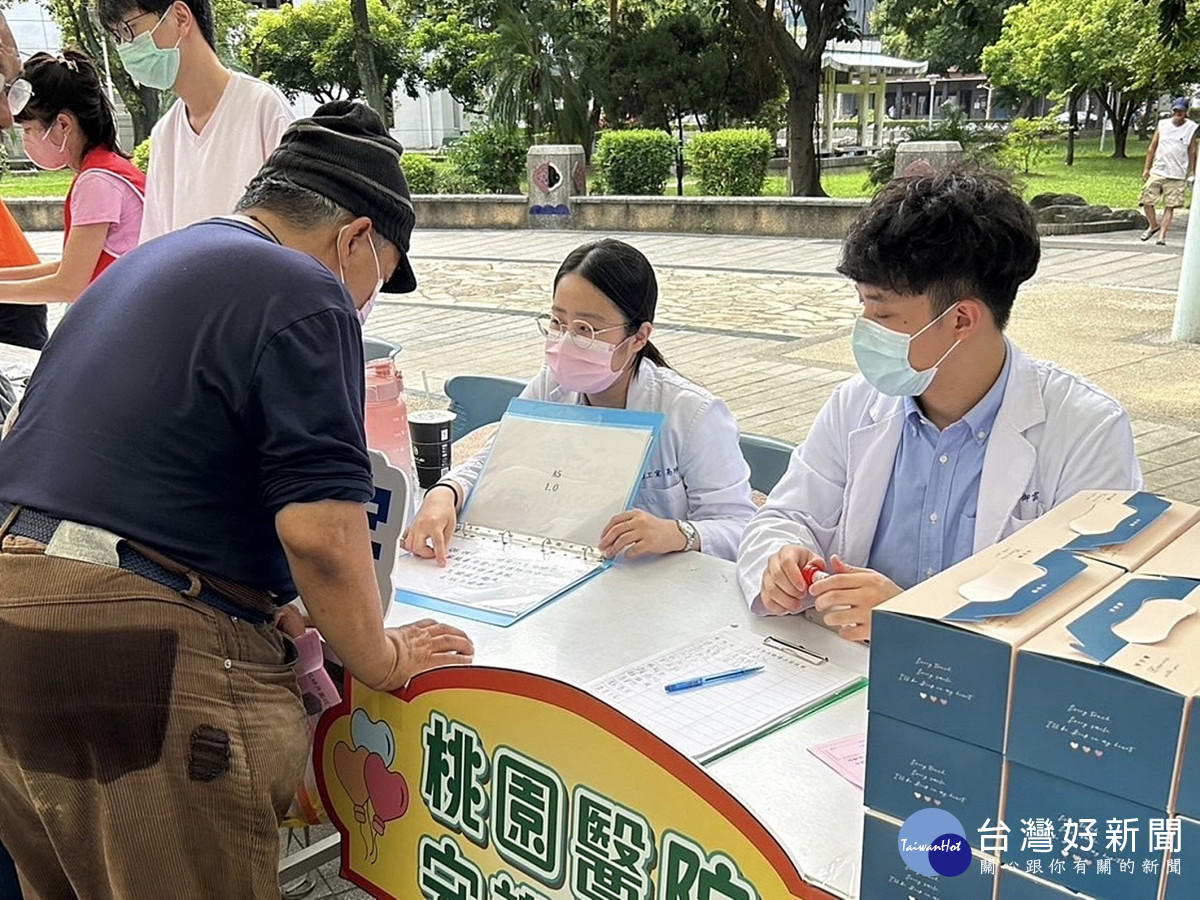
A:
<point x="706" y="680"/>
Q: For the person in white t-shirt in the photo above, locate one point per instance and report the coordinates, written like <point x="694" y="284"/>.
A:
<point x="1170" y="165"/>
<point x="220" y="131"/>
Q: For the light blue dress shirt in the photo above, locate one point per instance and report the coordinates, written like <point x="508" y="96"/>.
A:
<point x="927" y="523"/>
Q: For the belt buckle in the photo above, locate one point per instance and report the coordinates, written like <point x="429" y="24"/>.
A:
<point x="85" y="543"/>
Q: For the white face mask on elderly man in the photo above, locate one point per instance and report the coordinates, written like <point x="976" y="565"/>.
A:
<point x="365" y="311"/>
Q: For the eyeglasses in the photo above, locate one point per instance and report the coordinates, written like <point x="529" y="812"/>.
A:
<point x="580" y="333"/>
<point x="122" y="32"/>
<point x="19" y="93"/>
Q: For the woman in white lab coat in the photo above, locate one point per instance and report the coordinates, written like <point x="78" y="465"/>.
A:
<point x="695" y="494"/>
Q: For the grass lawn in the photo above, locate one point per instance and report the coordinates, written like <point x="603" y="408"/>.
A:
<point x="40" y="184"/>
<point x="1096" y="177"/>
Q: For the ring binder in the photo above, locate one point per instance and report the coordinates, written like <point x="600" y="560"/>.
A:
<point x="548" y="546"/>
<point x="528" y="531"/>
<point x="796" y="650"/>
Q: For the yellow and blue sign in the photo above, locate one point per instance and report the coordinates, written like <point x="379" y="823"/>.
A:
<point x="489" y="784"/>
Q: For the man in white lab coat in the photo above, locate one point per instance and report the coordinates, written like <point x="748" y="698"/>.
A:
<point x="950" y="438"/>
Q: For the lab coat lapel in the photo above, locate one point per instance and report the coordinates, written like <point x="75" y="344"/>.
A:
<point x="871" y="455"/>
<point x="1010" y="459"/>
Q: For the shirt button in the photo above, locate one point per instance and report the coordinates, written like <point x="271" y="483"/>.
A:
<point x="943" y="459"/>
<point x="933" y="518"/>
<point x="929" y="572"/>
<point x="982" y="435"/>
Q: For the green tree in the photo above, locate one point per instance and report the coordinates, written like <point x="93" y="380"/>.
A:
<point x="948" y="33"/>
<point x="1109" y="47"/>
<point x="452" y="43"/>
<point x="799" y="64"/>
<point x="688" y="65"/>
<point x="1025" y="144"/>
<point x="311" y="49"/>
<point x="364" y="59"/>
<point x="537" y="64"/>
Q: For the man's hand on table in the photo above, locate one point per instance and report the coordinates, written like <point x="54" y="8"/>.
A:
<point x="847" y="597"/>
<point x="424" y="645"/>
<point x="783" y="588"/>
<point x="433" y="524"/>
<point x="419" y="646"/>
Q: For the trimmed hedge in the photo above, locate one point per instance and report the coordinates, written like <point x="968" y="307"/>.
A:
<point x="141" y="155"/>
<point x="638" y="161"/>
<point x="491" y="159"/>
<point x="420" y="172"/>
<point x="731" y="163"/>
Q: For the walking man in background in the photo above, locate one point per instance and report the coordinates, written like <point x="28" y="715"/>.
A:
<point x="1170" y="165"/>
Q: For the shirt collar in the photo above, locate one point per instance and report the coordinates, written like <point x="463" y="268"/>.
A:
<point x="982" y="415"/>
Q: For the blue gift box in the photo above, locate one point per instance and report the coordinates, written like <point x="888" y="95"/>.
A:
<point x="1185" y="884"/>
<point x="1035" y="797"/>
<point x="909" y="768"/>
<point x="1103" y="697"/>
<point x="942" y="653"/>
<point x="1103" y="722"/>
<point x="885" y="876"/>
<point x="940" y="662"/>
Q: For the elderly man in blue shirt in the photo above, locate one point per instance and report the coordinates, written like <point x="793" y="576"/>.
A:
<point x="950" y="438"/>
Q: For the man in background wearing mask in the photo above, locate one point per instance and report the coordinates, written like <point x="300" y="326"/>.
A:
<point x="951" y="438"/>
<point x="169" y="482"/>
<point x="215" y="137"/>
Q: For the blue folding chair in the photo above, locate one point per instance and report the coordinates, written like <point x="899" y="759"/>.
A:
<point x="768" y="460"/>
<point x="479" y="400"/>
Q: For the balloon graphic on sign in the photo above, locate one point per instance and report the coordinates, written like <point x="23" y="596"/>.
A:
<point x="350" y="767"/>
<point x="375" y="737"/>
<point x="388" y="792"/>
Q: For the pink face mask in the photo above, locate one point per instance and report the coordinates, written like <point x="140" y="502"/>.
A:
<point x="583" y="371"/>
<point x="43" y="154"/>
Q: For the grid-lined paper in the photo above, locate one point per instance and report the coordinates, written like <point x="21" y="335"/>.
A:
<point x="704" y="722"/>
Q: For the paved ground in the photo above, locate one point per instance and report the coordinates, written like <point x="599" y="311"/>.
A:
<point x="764" y="323"/>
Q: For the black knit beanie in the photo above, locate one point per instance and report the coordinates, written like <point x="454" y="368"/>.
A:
<point x="343" y="152"/>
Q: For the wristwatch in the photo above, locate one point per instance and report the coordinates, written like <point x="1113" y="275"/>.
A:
<point x="689" y="532"/>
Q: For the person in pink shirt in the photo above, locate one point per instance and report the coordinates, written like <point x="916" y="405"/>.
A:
<point x="69" y="123"/>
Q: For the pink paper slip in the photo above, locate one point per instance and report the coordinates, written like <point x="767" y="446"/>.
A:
<point x="847" y="756"/>
<point x="317" y="689"/>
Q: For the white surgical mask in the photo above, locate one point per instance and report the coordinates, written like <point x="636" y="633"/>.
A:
<point x="370" y="304"/>
<point x="882" y="357"/>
